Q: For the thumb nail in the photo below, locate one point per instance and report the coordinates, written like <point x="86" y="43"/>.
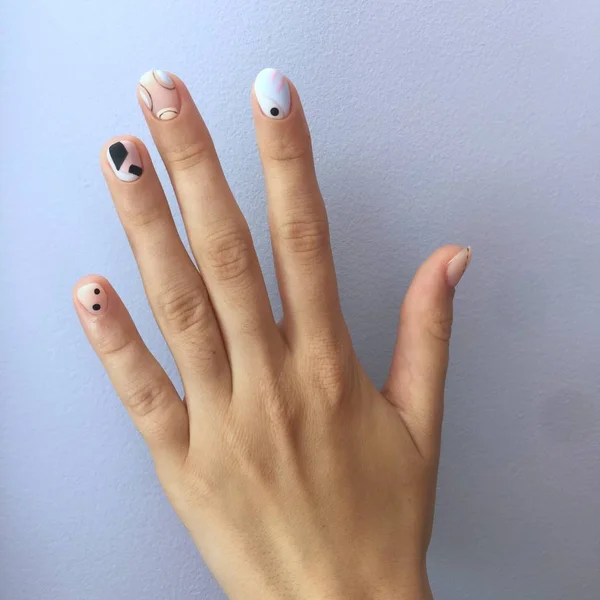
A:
<point x="458" y="265"/>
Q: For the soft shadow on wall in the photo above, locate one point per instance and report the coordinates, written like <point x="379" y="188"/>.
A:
<point x="514" y="405"/>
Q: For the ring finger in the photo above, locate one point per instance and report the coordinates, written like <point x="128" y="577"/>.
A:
<point x="173" y="285"/>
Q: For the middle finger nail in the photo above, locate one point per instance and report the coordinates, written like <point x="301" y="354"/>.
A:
<point x="157" y="90"/>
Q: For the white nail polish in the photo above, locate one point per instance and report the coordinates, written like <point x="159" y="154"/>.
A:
<point x="273" y="93"/>
<point x="124" y="159"/>
<point x="144" y="96"/>
<point x="158" y="92"/>
<point x="164" y="79"/>
<point x="93" y="298"/>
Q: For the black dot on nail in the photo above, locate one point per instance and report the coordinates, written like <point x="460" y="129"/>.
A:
<point x="274" y="111"/>
<point x="96" y="291"/>
<point x="96" y="307"/>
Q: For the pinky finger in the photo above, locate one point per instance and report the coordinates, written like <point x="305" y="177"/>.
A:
<point x="143" y="386"/>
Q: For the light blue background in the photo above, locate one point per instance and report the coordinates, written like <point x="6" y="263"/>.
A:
<point x="434" y="121"/>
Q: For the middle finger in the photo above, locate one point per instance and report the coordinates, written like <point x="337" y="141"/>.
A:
<point x="218" y="233"/>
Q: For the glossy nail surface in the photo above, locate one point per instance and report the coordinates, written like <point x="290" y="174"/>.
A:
<point x="125" y="161"/>
<point x="159" y="93"/>
<point x="458" y="265"/>
<point x="273" y="93"/>
<point x="93" y="298"/>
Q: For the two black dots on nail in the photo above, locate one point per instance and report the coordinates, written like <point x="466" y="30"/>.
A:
<point x="96" y="306"/>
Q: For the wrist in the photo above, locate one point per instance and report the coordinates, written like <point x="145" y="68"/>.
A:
<point x="344" y="588"/>
<point x="408" y="588"/>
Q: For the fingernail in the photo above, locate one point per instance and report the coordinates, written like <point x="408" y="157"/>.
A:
<point x="125" y="161"/>
<point x="157" y="90"/>
<point x="458" y="265"/>
<point x="273" y="93"/>
<point x="93" y="298"/>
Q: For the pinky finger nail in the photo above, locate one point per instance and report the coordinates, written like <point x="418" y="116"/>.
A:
<point x="93" y="298"/>
<point x="458" y="265"/>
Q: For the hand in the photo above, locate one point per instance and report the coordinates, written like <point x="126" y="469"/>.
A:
<point x="296" y="477"/>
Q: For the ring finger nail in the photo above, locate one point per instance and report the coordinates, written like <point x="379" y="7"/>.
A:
<point x="93" y="298"/>
<point x="125" y="161"/>
<point x="157" y="90"/>
<point x="273" y="93"/>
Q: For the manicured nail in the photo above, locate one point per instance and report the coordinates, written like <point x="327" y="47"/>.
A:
<point x="458" y="265"/>
<point x="93" y="297"/>
<point x="273" y="93"/>
<point x="125" y="161"/>
<point x="159" y="94"/>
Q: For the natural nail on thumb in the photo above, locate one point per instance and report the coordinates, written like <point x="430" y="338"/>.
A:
<point x="458" y="265"/>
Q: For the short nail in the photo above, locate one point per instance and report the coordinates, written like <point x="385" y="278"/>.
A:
<point x="125" y="161"/>
<point x="458" y="265"/>
<point x="273" y="93"/>
<point x="157" y="90"/>
<point x="93" y="298"/>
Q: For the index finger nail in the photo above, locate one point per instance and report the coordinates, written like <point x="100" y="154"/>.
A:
<point x="273" y="93"/>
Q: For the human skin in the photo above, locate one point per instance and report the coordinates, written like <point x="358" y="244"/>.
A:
<point x="296" y="477"/>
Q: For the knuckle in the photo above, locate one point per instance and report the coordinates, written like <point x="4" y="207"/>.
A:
<point x="228" y="253"/>
<point x="332" y="370"/>
<point x="185" y="309"/>
<point x="189" y="155"/>
<point x="279" y="411"/>
<point x="305" y="235"/>
<point x="202" y="491"/>
<point x="291" y="148"/>
<point x="200" y="485"/>
<point x="141" y="210"/>
<point x="333" y="378"/>
<point x="146" y="398"/>
<point x="114" y="345"/>
<point x="439" y="325"/>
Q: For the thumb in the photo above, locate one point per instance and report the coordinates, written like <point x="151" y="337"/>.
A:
<point x="418" y="373"/>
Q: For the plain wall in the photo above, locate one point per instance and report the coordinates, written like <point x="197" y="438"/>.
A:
<point x="474" y="122"/>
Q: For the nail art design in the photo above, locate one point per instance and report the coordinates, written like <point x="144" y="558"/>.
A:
<point x="125" y="160"/>
<point x="458" y="265"/>
<point x="273" y="93"/>
<point x="159" y="94"/>
<point x="93" y="297"/>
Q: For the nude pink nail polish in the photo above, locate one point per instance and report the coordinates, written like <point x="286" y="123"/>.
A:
<point x="124" y="159"/>
<point x="157" y="90"/>
<point x="93" y="298"/>
<point x="458" y="265"/>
